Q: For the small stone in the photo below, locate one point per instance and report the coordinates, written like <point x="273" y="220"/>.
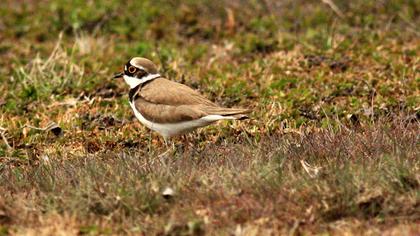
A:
<point x="168" y="193"/>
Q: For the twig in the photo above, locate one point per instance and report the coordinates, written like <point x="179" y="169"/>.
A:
<point x="334" y="7"/>
<point x="2" y="131"/>
<point x="311" y="171"/>
<point x="49" y="126"/>
<point x="52" y="126"/>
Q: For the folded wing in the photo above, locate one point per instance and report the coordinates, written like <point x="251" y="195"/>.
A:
<point x="163" y="91"/>
<point x="164" y="101"/>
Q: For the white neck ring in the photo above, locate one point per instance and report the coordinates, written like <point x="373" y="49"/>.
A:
<point x="134" y="82"/>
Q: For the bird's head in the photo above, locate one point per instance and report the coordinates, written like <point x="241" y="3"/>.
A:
<point x="137" y="71"/>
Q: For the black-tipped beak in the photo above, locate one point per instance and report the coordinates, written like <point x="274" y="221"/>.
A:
<point x="118" y="75"/>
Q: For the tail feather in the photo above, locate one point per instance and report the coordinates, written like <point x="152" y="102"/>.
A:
<point x="241" y="117"/>
<point x="239" y="112"/>
<point x="221" y="113"/>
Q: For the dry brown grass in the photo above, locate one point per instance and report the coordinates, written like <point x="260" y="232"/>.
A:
<point x="332" y="146"/>
<point x="366" y="179"/>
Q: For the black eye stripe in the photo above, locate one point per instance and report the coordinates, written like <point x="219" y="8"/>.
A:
<point x="133" y="71"/>
<point x="126" y="68"/>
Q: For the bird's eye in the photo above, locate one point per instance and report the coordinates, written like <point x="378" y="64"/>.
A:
<point x="132" y="69"/>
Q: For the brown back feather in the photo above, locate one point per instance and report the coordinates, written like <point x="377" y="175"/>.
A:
<point x="165" y="101"/>
<point x="163" y="91"/>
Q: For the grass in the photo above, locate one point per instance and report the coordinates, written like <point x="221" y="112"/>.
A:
<point x="332" y="147"/>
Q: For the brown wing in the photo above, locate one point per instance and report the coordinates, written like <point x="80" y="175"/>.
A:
<point x="163" y="91"/>
<point x="161" y="113"/>
<point x="164" y="101"/>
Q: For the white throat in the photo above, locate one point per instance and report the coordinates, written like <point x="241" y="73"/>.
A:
<point x="134" y="82"/>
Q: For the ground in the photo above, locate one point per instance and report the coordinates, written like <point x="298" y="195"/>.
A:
<point x="332" y="146"/>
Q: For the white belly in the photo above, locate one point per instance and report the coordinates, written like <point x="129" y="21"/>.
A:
<point x="173" y="129"/>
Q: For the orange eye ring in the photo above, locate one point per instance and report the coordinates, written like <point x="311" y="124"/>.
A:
<point x="132" y="69"/>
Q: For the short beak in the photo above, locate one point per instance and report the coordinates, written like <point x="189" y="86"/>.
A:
<point x="118" y="75"/>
